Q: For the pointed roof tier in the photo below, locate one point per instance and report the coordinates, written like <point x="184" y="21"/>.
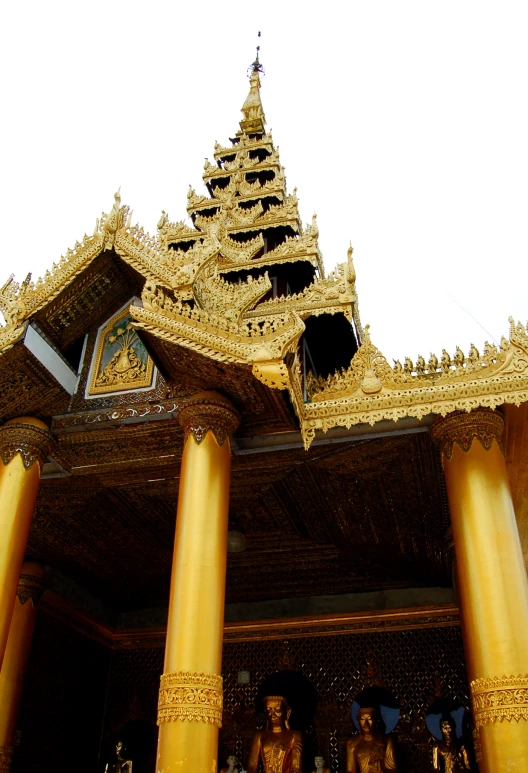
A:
<point x="254" y="119"/>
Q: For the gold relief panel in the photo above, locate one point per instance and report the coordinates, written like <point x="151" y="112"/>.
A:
<point x="120" y="362"/>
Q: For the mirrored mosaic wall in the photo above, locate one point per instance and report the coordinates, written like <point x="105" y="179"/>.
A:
<point x="416" y="666"/>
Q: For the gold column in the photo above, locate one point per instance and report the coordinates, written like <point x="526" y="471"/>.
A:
<point x="190" y="697"/>
<point x="492" y="584"/>
<point x="30" y="588"/>
<point x="24" y="445"/>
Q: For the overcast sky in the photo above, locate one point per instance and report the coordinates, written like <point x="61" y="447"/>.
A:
<point x="404" y="126"/>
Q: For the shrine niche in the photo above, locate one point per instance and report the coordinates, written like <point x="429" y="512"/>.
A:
<point x="121" y="362"/>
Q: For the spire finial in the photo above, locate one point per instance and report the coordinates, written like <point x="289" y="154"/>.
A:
<point x="256" y="65"/>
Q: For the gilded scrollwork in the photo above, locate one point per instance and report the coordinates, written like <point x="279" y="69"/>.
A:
<point x="190" y="696"/>
<point x="205" y="413"/>
<point x="500" y="698"/>
<point x="33" y="443"/>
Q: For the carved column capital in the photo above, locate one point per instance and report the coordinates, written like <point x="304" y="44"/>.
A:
<point x="461" y="428"/>
<point x="28" y="437"/>
<point x="32" y="583"/>
<point x="208" y="411"/>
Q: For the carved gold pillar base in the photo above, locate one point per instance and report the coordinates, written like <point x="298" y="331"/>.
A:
<point x="190" y="698"/>
<point x="30" y="588"/>
<point x="492" y="584"/>
<point x="24" y="445"/>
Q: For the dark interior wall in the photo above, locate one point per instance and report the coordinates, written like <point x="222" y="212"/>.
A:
<point x="63" y="703"/>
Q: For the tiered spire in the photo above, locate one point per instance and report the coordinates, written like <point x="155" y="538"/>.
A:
<point x="248" y="208"/>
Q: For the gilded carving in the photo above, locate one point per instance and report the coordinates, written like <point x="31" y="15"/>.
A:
<point x="498" y="376"/>
<point x="481" y="424"/>
<point x="205" y="413"/>
<point x="500" y="698"/>
<point x="34" y="444"/>
<point x="121" y="362"/>
<point x="192" y="696"/>
<point x="30" y="587"/>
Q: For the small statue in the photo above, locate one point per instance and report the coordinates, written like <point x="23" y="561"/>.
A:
<point x="420" y="365"/>
<point x="232" y="765"/>
<point x="320" y="765"/>
<point x="449" y="755"/>
<point x="408" y="366"/>
<point x="432" y="365"/>
<point x="122" y="765"/>
<point x="371" y="751"/>
<point x="445" y="361"/>
<point x="458" y="357"/>
<point x="278" y="747"/>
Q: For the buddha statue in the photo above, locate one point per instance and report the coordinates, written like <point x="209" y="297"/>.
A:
<point x="232" y="765"/>
<point x="122" y="765"/>
<point x="371" y="751"/>
<point x="320" y="765"/>
<point x="449" y="755"/>
<point x="278" y="747"/>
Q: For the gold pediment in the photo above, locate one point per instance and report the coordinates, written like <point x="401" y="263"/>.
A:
<point x="120" y="361"/>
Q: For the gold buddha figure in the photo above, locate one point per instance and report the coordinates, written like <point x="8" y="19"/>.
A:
<point x="232" y="765"/>
<point x="320" y="765"/>
<point x="371" y="751"/>
<point x="122" y="765"/>
<point x="278" y="747"/>
<point x="450" y="756"/>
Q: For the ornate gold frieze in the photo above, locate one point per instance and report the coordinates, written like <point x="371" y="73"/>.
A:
<point x="205" y="413"/>
<point x="220" y="338"/>
<point x="481" y="424"/>
<point x="120" y="363"/>
<point x="34" y="444"/>
<point x="30" y="587"/>
<point x="499" y="698"/>
<point x="192" y="696"/>
<point x="370" y="390"/>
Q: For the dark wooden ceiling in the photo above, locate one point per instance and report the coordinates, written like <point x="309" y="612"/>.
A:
<point x="340" y="518"/>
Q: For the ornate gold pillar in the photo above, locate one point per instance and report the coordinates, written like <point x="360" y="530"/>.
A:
<point x="190" y="698"/>
<point x="24" y="445"/>
<point x="31" y="586"/>
<point x="492" y="584"/>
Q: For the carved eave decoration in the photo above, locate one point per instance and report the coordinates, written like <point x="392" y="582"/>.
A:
<point x="262" y="343"/>
<point x="370" y="390"/>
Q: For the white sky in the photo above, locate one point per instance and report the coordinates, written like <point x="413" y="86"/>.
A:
<point x="404" y="125"/>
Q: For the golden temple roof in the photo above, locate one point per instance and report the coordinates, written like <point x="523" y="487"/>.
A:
<point x="214" y="288"/>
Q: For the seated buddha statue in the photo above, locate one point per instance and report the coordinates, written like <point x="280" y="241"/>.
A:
<point x="371" y="751"/>
<point x="449" y="755"/>
<point x="278" y="747"/>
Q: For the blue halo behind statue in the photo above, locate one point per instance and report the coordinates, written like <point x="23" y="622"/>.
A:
<point x="432" y="721"/>
<point x="381" y="699"/>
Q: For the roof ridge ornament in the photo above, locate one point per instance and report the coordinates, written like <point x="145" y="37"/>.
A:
<point x="256" y="66"/>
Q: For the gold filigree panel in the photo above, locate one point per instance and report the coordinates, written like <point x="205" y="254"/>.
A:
<point x="121" y="362"/>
